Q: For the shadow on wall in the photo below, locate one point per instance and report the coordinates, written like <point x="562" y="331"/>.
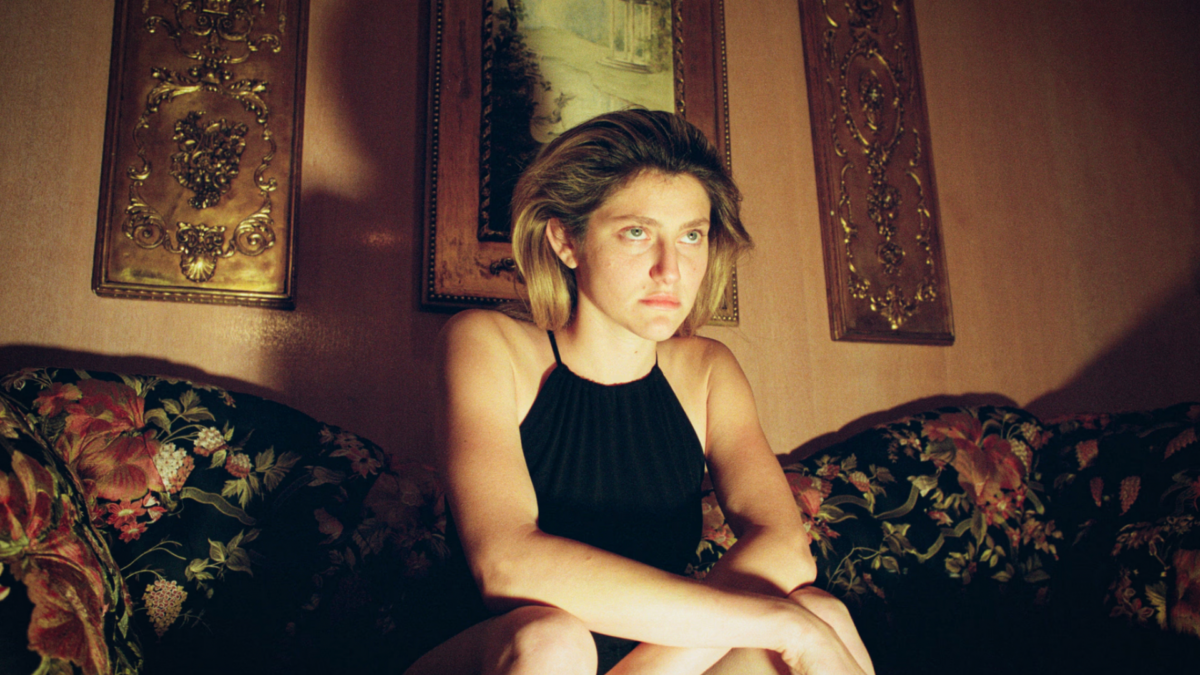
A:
<point x="1155" y="365"/>
<point x="884" y="416"/>
<point x="16" y="357"/>
<point x="358" y="351"/>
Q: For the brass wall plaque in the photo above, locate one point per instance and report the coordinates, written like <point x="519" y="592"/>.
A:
<point x="885" y="269"/>
<point x="201" y="172"/>
<point x="505" y="76"/>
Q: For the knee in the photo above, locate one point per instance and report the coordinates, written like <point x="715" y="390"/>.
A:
<point x="544" y="640"/>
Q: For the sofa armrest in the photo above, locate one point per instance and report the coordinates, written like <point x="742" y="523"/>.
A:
<point x="63" y="600"/>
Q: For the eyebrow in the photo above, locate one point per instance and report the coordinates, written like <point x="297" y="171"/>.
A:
<point x="651" y="221"/>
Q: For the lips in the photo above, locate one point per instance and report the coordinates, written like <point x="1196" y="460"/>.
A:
<point x="661" y="301"/>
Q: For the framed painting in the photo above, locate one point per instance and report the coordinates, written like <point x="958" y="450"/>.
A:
<point x="507" y="76"/>
<point x="201" y="170"/>
<point x="885" y="268"/>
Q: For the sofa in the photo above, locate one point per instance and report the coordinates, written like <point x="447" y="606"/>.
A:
<point x="156" y="525"/>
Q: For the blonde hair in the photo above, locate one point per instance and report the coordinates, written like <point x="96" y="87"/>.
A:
<point x="574" y="174"/>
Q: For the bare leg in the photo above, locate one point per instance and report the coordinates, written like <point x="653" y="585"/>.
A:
<point x="749" y="662"/>
<point x="526" y="641"/>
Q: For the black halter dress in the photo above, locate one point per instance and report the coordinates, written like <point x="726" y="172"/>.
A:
<point x="618" y="467"/>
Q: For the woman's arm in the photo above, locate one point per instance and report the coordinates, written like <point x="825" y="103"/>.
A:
<point x="772" y="554"/>
<point x="515" y="563"/>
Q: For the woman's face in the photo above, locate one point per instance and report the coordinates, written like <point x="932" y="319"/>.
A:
<point x="644" y="256"/>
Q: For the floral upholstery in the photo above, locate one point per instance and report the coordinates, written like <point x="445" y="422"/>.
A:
<point x="954" y="492"/>
<point x="982" y="535"/>
<point x="933" y="525"/>
<point x="247" y="536"/>
<point x="1127" y="488"/>
<point x="63" y="601"/>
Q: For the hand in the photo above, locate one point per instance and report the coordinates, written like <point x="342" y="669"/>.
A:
<point x="819" y="652"/>
<point x="828" y="642"/>
<point x="822" y="657"/>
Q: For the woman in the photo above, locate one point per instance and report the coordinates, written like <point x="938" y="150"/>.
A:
<point x="574" y="444"/>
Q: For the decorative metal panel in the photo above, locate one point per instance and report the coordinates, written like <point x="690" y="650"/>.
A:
<point x="201" y="171"/>
<point x="885" y="267"/>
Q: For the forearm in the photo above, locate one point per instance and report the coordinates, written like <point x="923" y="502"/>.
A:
<point x="771" y="561"/>
<point x="759" y="563"/>
<point x="620" y="597"/>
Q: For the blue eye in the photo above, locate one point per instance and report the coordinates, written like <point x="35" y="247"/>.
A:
<point x="635" y="233"/>
<point x="694" y="237"/>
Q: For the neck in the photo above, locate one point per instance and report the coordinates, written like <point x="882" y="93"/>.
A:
<point x="604" y="355"/>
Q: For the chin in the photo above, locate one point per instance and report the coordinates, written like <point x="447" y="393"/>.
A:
<point x="661" y="330"/>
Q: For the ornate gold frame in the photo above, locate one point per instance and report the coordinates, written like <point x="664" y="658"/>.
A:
<point x="885" y="267"/>
<point x="201" y="172"/>
<point x="462" y="267"/>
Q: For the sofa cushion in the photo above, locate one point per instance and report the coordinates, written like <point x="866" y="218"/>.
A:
<point x="63" y="600"/>
<point x="1126" y="488"/>
<point x="952" y="495"/>
<point x="982" y="536"/>
<point x="242" y="525"/>
<point x="934" y="530"/>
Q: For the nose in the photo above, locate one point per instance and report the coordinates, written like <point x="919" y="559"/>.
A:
<point x="666" y="268"/>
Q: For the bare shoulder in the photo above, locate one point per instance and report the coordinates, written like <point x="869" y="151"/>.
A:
<point x="490" y="332"/>
<point x="694" y="357"/>
<point x="480" y="323"/>
<point x="487" y="352"/>
<point x="696" y="366"/>
<point x="698" y="370"/>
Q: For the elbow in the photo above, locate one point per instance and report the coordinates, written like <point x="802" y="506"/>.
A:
<point x="502" y="578"/>
<point x="496" y="582"/>
<point x="806" y="572"/>
<point x="779" y="555"/>
<point x="804" y="567"/>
